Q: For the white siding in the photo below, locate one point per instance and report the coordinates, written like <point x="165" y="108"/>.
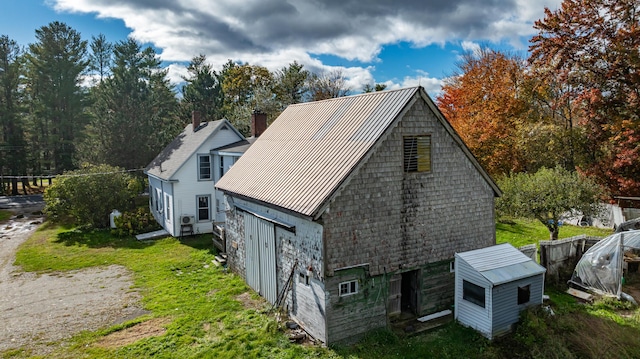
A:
<point x="506" y="310"/>
<point x="188" y="187"/>
<point x="467" y="313"/>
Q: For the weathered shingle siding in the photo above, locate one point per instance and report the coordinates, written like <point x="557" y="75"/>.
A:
<point x="303" y="247"/>
<point x="351" y="316"/>
<point x="394" y="220"/>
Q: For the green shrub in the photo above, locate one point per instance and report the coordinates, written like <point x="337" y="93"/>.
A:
<point x="88" y="195"/>
<point x="135" y="222"/>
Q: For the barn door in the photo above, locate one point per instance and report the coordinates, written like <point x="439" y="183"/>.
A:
<point x="261" y="256"/>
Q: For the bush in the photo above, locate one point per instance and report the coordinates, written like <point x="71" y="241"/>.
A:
<point x="88" y="195"/>
<point x="135" y="222"/>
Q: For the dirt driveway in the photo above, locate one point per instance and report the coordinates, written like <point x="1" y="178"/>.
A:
<point x="39" y="312"/>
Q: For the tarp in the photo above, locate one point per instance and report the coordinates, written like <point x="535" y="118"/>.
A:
<point x="600" y="268"/>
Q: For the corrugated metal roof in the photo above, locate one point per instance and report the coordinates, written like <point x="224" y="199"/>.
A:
<point x="304" y="156"/>
<point x="173" y="156"/>
<point x="501" y="263"/>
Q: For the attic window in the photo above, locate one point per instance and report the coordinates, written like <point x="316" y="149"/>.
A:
<point x="417" y="153"/>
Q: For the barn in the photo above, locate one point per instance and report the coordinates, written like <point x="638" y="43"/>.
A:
<point x="493" y="285"/>
<point x="349" y="211"/>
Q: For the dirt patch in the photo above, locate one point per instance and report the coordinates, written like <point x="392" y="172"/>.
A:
<point x="150" y="328"/>
<point x="250" y="303"/>
<point x="40" y="312"/>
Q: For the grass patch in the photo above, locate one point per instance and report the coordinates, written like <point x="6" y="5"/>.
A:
<point x="520" y="232"/>
<point x="207" y="312"/>
<point x="5" y="215"/>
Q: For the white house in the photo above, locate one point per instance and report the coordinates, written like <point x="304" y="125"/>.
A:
<point x="493" y="285"/>
<point x="182" y="197"/>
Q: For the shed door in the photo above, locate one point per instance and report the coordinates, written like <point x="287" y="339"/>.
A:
<point x="261" y="256"/>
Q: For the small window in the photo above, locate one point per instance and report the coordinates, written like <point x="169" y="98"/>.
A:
<point x="221" y="166"/>
<point x="452" y="266"/>
<point x="524" y="294"/>
<point x="417" y="154"/>
<point x="204" y="167"/>
<point x="304" y="279"/>
<point x="348" y="288"/>
<point x="167" y="202"/>
<point x="473" y="293"/>
<point x="204" y="209"/>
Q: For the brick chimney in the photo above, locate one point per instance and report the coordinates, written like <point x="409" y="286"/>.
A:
<point x="195" y="118"/>
<point x="258" y="123"/>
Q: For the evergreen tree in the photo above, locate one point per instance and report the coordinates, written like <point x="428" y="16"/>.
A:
<point x="56" y="63"/>
<point x="133" y="110"/>
<point x="203" y="91"/>
<point x="12" y="143"/>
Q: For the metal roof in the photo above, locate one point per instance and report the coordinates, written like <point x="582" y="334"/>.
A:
<point x="174" y="155"/>
<point x="501" y="263"/>
<point x="306" y="153"/>
<point x="304" y="156"/>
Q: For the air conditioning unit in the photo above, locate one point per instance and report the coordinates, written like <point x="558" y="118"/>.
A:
<point x="187" y="219"/>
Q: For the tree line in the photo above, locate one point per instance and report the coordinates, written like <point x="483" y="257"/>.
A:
<point x="573" y="104"/>
<point x="66" y="101"/>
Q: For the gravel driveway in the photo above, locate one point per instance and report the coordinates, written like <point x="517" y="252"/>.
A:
<point x="39" y="312"/>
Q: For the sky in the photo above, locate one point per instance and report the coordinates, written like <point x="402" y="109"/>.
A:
<point x="399" y="43"/>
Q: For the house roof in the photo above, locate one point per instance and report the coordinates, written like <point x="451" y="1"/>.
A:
<point x="305" y="155"/>
<point x="236" y="147"/>
<point x="501" y="263"/>
<point x="172" y="157"/>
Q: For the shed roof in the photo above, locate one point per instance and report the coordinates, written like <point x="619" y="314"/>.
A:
<point x="309" y="151"/>
<point x="176" y="153"/>
<point x="501" y="263"/>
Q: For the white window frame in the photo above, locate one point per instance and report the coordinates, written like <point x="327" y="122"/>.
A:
<point x="167" y="203"/>
<point x="208" y="197"/>
<point x="201" y="168"/>
<point x="348" y="288"/>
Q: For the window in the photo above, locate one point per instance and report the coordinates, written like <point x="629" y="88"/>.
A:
<point x="348" y="288"/>
<point x="452" y="267"/>
<point x="417" y="154"/>
<point x="158" y="200"/>
<point x="303" y="278"/>
<point x="473" y="293"/>
<point x="204" y="167"/>
<point x="204" y="210"/>
<point x="524" y="294"/>
<point x="221" y="166"/>
<point x="167" y="203"/>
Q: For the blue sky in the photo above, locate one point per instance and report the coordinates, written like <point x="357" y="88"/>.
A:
<point x="400" y="43"/>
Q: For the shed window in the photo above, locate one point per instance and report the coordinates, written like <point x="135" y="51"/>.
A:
<point x="417" y="154"/>
<point x="524" y="294"/>
<point x="204" y="167"/>
<point x="473" y="293"/>
<point x="348" y="288"/>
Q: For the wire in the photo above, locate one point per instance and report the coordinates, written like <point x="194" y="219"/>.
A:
<point x="72" y="175"/>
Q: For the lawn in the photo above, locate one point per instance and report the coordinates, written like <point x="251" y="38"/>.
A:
<point x="211" y="313"/>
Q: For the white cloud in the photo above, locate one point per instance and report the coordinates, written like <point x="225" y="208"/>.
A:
<point x="274" y="33"/>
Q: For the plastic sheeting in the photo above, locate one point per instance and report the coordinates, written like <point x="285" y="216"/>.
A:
<point x="600" y="268"/>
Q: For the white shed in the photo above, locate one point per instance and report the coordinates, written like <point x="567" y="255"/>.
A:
<point x="493" y="285"/>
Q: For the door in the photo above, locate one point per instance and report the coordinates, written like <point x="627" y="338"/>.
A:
<point x="260" y="258"/>
<point x="410" y="292"/>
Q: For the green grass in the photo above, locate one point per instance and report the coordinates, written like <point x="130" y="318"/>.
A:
<point x="206" y="319"/>
<point x="4" y="215"/>
<point x="520" y="232"/>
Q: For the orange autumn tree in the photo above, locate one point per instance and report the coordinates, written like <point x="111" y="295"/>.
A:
<point x="484" y="103"/>
<point x="592" y="47"/>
